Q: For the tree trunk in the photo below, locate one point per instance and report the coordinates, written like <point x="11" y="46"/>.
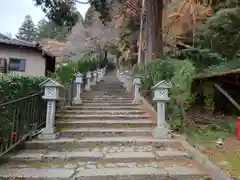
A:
<point x="148" y="34"/>
<point x="156" y="11"/>
<point x="118" y="60"/>
<point x="105" y="55"/>
<point x="141" y="40"/>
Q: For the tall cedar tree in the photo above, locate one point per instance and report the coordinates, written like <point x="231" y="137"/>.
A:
<point x="27" y="31"/>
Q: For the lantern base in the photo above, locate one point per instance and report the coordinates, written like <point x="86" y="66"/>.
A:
<point x="161" y="132"/>
<point x="77" y="101"/>
<point x="88" y="88"/>
<point x="47" y="137"/>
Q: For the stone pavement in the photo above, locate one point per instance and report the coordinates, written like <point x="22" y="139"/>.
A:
<point x="105" y="138"/>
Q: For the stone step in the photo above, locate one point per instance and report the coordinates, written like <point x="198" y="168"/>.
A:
<point x="89" y="107"/>
<point x="107" y="101"/>
<point x="101" y="112"/>
<point x="103" y="117"/>
<point x="36" y="174"/>
<point x="123" y="171"/>
<point x="105" y="132"/>
<point x="106" y="98"/>
<point x="91" y="94"/>
<point x="108" y="90"/>
<point x="140" y="174"/>
<point x="115" y="154"/>
<point x="109" y="86"/>
<point x="126" y="157"/>
<point x="108" y="104"/>
<point x="113" y="105"/>
<point x="106" y="123"/>
<point x="87" y="142"/>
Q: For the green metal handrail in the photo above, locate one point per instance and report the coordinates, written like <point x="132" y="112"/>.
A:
<point x="19" y="119"/>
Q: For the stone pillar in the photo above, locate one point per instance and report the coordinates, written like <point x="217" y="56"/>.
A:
<point x="161" y="97"/>
<point x="94" y="82"/>
<point x="88" y="85"/>
<point x="102" y="74"/>
<point x="51" y="94"/>
<point x="98" y="75"/>
<point x="105" y="70"/>
<point x="136" y="84"/>
<point x="78" y="81"/>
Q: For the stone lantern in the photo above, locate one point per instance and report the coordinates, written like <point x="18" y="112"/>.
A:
<point x="88" y="85"/>
<point x="137" y="85"/>
<point x="161" y="97"/>
<point x="78" y="81"/>
<point x="51" y="94"/>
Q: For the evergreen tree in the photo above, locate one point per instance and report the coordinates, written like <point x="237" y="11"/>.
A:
<point x="48" y="29"/>
<point x="27" y="31"/>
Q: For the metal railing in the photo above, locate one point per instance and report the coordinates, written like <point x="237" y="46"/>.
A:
<point x="19" y="119"/>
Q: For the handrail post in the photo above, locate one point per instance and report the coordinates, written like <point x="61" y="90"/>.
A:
<point x="78" y="82"/>
<point x="88" y="85"/>
<point x="137" y="84"/>
<point x="51" y="94"/>
<point x="161" y="97"/>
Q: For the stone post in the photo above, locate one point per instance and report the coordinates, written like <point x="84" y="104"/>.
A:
<point x="94" y="82"/>
<point x="51" y="94"/>
<point x="98" y="75"/>
<point x="136" y="84"/>
<point x="105" y="70"/>
<point x="161" y="97"/>
<point x="78" y="81"/>
<point x="102" y="74"/>
<point x="88" y="85"/>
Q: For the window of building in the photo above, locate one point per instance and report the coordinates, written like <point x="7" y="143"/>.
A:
<point x="17" y="64"/>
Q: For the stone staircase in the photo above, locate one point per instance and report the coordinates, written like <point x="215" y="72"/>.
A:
<point x="104" y="138"/>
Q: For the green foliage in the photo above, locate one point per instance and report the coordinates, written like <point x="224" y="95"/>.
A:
<point x="27" y="31"/>
<point x="86" y="64"/>
<point x="63" y="13"/>
<point x="65" y="73"/>
<point x="48" y="29"/>
<point x="221" y="4"/>
<point x="180" y="74"/>
<point x="220" y="33"/>
<point x="13" y="87"/>
<point x="215" y="131"/>
<point x="201" y="58"/>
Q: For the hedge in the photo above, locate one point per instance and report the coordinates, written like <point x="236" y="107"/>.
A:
<point x="16" y="86"/>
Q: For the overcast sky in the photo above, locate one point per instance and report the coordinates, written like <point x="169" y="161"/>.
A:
<point x="12" y="13"/>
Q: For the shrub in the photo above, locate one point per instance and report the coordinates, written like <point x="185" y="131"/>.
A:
<point x="180" y="74"/>
<point x="66" y="73"/>
<point x="16" y="86"/>
<point x="201" y="58"/>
